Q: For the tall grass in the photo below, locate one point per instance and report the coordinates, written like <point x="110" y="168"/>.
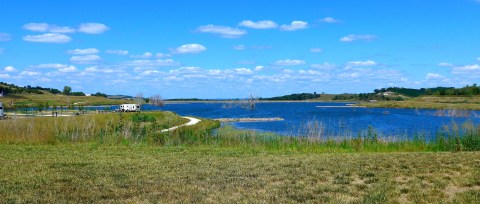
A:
<point x="144" y="128"/>
<point x="103" y="128"/>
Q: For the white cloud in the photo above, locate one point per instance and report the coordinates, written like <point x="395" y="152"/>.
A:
<point x="295" y="25"/>
<point x="5" y="37"/>
<point x="117" y="52"/>
<point x="351" y="38"/>
<point x="324" y="66"/>
<point x="85" y="59"/>
<point x="242" y="71"/>
<point x="50" y="66"/>
<point x="153" y="63"/>
<point x="93" y="28"/>
<point x="259" y="68"/>
<point x="88" y="51"/>
<point x="162" y="55"/>
<point x="289" y="62"/>
<point x="433" y="76"/>
<point x="10" y="69"/>
<point x="4" y="76"/>
<point x="145" y="55"/>
<point x="316" y="50"/>
<point x="329" y="20"/>
<point x="265" y="24"/>
<point x="189" y="49"/>
<point x="48" y="38"/>
<point x="29" y="73"/>
<point x="45" y="27"/>
<point x="223" y="31"/>
<point x="36" y="27"/>
<point x="445" y="64"/>
<point x="466" y="69"/>
<point x="239" y="47"/>
<point x="368" y="63"/>
<point x="68" y="69"/>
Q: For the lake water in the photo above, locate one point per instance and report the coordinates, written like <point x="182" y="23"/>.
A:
<point x="337" y="121"/>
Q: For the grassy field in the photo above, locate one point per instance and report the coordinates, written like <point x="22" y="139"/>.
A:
<point x="137" y="173"/>
<point x="125" y="158"/>
<point x="32" y="100"/>
<point x="432" y="102"/>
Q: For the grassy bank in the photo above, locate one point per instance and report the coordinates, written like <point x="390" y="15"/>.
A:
<point x="125" y="158"/>
<point x="33" y="100"/>
<point x="109" y="128"/>
<point x="132" y="173"/>
<point x="431" y="102"/>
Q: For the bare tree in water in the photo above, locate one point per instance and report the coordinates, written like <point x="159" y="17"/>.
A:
<point x="157" y="100"/>
<point x="139" y="99"/>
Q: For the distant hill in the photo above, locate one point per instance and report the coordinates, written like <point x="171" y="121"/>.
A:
<point x="293" y="97"/>
<point x="14" y="89"/>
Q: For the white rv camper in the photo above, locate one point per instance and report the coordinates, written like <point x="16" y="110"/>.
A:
<point x="1" y="110"/>
<point x="129" y="108"/>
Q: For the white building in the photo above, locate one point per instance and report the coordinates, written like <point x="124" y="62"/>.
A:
<point x="129" y="108"/>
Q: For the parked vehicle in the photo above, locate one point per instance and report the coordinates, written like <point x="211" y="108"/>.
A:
<point x="129" y="108"/>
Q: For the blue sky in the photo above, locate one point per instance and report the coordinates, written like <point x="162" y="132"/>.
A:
<point x="230" y="49"/>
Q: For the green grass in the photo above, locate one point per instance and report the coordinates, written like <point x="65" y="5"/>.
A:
<point x="125" y="158"/>
<point x="110" y="128"/>
<point x="142" y="173"/>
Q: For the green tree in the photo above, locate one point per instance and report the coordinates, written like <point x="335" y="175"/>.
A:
<point x="67" y="90"/>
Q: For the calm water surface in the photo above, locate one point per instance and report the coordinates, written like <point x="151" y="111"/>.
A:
<point x="337" y="121"/>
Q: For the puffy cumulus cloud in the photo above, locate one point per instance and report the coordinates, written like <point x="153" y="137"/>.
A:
<point x="223" y="31"/>
<point x="152" y="63"/>
<point x="445" y="64"/>
<point x="259" y="68"/>
<point x="239" y="47"/>
<point x="430" y="76"/>
<point x="468" y="69"/>
<point x="4" y="76"/>
<point x="352" y="38"/>
<point x="294" y="25"/>
<point x="85" y="59"/>
<point x="265" y="24"/>
<point x="88" y="51"/>
<point x="117" y="52"/>
<point x="29" y="73"/>
<point x="162" y="55"/>
<point x="5" y="37"/>
<point x="68" y="69"/>
<point x="289" y="62"/>
<point x="45" y="27"/>
<point x="241" y="71"/>
<point x="316" y="50"/>
<point x="324" y="66"/>
<point x="59" y="67"/>
<point x="48" y="38"/>
<point x="368" y="63"/>
<point x="329" y="20"/>
<point x="189" y="49"/>
<point x="10" y="69"/>
<point x="93" y="28"/>
<point x="145" y="55"/>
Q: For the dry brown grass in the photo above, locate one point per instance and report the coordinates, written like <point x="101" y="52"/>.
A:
<point x="432" y="102"/>
<point x="32" y="100"/>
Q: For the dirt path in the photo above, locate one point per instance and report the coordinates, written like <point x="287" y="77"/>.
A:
<point x="192" y="121"/>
